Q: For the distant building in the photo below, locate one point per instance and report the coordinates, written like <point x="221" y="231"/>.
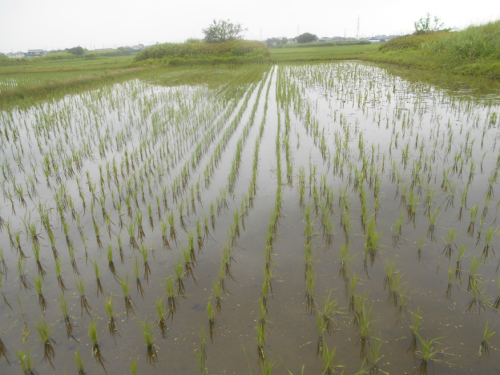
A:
<point x="16" y="55"/>
<point x="291" y="40"/>
<point x="36" y="52"/>
<point x="138" y="47"/>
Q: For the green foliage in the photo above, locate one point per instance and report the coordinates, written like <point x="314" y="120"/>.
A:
<point x="223" y="31"/>
<point x="306" y="38"/>
<point x="410" y="42"/>
<point x="428" y="24"/>
<point x="203" y="53"/>
<point x="75" y="50"/>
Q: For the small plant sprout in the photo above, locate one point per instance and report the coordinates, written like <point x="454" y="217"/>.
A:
<point x="171" y="295"/>
<point x="497" y="301"/>
<point x="39" y="289"/>
<point x="473" y="215"/>
<point x="45" y="331"/>
<point x="22" y="275"/>
<point x="108" y="308"/>
<point x="133" y="367"/>
<point x="125" y="283"/>
<point x="211" y="319"/>
<point x="448" y="248"/>
<point x="217" y="292"/>
<point x="79" y="363"/>
<point x="98" y="276"/>
<point x="373" y="356"/>
<point x="484" y="348"/>
<point x="147" y="332"/>
<point x="27" y="362"/>
<point x="372" y="239"/>
<point x="491" y="234"/>
<point x="432" y="223"/>
<point x="328" y="367"/>
<point x="261" y="340"/>
<point x="160" y="315"/>
<point x="147" y="269"/>
<point x="84" y="304"/>
<point x="96" y="348"/>
<point x="478" y="301"/>
<point x="138" y="277"/>
<point x="427" y="354"/>
<point x="416" y="318"/>
<point x="201" y="353"/>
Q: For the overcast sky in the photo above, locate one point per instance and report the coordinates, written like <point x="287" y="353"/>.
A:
<point x="58" y="24"/>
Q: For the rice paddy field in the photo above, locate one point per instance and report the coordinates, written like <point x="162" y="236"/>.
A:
<point x="280" y="219"/>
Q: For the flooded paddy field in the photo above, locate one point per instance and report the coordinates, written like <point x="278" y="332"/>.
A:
<point x="309" y="218"/>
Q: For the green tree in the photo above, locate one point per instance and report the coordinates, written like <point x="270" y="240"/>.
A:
<point x="306" y="38"/>
<point x="76" y="50"/>
<point x="428" y="24"/>
<point x="222" y="31"/>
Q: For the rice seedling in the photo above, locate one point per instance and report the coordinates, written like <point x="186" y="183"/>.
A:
<point x="490" y="235"/>
<point x="478" y="301"/>
<point x="160" y="316"/>
<point x="147" y="269"/>
<point x="428" y="353"/>
<point x="27" y="362"/>
<point x="98" y="276"/>
<point x="79" y="363"/>
<point x="131" y="234"/>
<point x="200" y="352"/>
<point x="484" y="348"/>
<point x="129" y="303"/>
<point x="96" y="348"/>
<point x="84" y="304"/>
<point x="432" y="223"/>
<point x="496" y="305"/>
<point x="371" y="240"/>
<point x="42" y="302"/>
<point x="22" y="274"/>
<point x="261" y="340"/>
<point x="211" y="319"/>
<point x="108" y="308"/>
<point x="45" y="331"/>
<point x="473" y="215"/>
<point x="147" y="332"/>
<point x="171" y="295"/>
<point x="448" y="248"/>
<point x="373" y="356"/>
<point x="133" y="367"/>
<point x="179" y="276"/>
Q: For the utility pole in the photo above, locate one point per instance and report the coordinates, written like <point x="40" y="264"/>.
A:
<point x="357" y="33"/>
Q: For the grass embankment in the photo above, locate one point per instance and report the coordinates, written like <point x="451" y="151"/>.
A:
<point x="474" y="51"/>
<point x="20" y="81"/>
<point x="232" y="52"/>
<point x="323" y="53"/>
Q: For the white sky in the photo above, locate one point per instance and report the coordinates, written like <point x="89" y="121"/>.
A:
<point x="58" y="24"/>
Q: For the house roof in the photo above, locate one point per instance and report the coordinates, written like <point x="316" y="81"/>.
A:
<point x="35" y="50"/>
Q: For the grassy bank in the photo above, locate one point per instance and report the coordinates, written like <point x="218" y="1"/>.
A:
<point x="337" y="52"/>
<point x="231" y="52"/>
<point x="474" y="51"/>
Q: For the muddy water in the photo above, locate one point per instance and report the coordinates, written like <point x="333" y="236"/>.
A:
<point x="344" y="100"/>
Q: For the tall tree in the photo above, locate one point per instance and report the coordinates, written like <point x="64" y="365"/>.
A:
<point x="222" y="31"/>
<point x="306" y="38"/>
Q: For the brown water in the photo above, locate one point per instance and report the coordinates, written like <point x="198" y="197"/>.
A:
<point x="343" y="100"/>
